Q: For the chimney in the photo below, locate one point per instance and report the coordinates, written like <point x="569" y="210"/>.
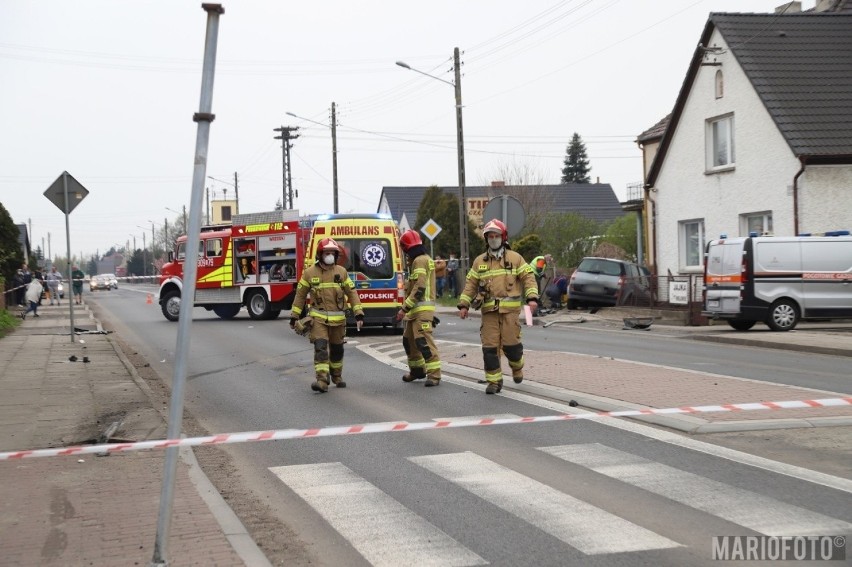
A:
<point x="498" y="183"/>
<point x="789" y="8"/>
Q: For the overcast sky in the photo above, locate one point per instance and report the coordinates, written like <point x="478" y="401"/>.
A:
<point x="106" y="90"/>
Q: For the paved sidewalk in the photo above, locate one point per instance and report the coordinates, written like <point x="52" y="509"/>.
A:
<point x="607" y="384"/>
<point x="93" y="510"/>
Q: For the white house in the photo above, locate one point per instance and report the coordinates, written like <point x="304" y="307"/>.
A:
<point x="760" y="138"/>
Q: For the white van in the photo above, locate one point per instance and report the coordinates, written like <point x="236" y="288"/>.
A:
<point x="778" y="280"/>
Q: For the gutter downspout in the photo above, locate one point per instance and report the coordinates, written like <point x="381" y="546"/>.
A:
<point x="650" y="209"/>
<point x="803" y="160"/>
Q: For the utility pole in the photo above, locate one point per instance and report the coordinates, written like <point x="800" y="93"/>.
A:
<point x="287" y="134"/>
<point x="463" y="218"/>
<point x="334" y="154"/>
<point x="236" y="193"/>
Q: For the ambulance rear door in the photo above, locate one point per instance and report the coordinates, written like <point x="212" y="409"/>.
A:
<point x="723" y="277"/>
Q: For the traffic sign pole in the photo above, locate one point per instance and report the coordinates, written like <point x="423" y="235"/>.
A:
<point x="66" y="193"/>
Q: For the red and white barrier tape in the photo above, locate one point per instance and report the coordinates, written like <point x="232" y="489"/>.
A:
<point x="333" y="431"/>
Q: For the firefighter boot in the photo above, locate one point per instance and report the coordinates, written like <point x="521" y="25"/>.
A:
<point x="432" y="382"/>
<point x="518" y="376"/>
<point x="337" y="379"/>
<point x="494" y="387"/>
<point x="320" y="385"/>
<point x="414" y="374"/>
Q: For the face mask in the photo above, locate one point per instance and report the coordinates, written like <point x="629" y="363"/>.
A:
<point x="495" y="242"/>
<point x="328" y="259"/>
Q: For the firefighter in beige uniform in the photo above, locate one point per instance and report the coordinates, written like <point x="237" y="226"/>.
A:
<point x="330" y="288"/>
<point x="418" y="310"/>
<point x="498" y="283"/>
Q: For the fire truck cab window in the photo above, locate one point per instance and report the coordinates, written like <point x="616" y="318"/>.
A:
<point x="181" y="255"/>
<point x="214" y="247"/>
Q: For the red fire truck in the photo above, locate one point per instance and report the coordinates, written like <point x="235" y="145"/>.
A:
<point x="255" y="262"/>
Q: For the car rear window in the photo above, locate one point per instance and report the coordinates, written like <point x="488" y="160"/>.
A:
<point x="596" y="266"/>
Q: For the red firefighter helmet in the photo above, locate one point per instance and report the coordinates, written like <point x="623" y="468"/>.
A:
<point x="409" y="240"/>
<point x="495" y="226"/>
<point x="328" y="244"/>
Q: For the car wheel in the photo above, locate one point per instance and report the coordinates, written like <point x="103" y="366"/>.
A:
<point x="170" y="305"/>
<point x="741" y="325"/>
<point x="228" y="311"/>
<point x="258" y="305"/>
<point x="783" y="315"/>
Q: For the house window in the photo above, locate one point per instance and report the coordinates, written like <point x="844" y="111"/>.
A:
<point x="691" y="244"/>
<point x="756" y="223"/>
<point x="720" y="85"/>
<point x="720" y="143"/>
<point x="226" y="213"/>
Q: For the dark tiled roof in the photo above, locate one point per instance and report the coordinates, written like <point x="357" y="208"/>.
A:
<point x="595" y="201"/>
<point x="801" y="67"/>
<point x="656" y="131"/>
<point x="803" y="76"/>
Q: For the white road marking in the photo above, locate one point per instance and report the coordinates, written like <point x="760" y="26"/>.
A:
<point x="672" y="438"/>
<point x="384" y="531"/>
<point x="579" y="524"/>
<point x="754" y="511"/>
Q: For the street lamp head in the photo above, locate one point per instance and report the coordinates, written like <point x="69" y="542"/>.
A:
<point x="403" y="64"/>
<point x="291" y="114"/>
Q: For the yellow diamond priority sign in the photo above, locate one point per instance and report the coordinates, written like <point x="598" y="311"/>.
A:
<point x="431" y="229"/>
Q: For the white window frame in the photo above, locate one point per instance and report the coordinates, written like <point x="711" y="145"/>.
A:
<point x="719" y="144"/>
<point x="764" y="218"/>
<point x="691" y="243"/>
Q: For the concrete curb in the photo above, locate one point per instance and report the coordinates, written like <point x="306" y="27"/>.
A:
<point x="233" y="528"/>
<point x="684" y="423"/>
<point x="743" y="341"/>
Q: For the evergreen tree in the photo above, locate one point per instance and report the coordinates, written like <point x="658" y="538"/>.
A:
<point x="576" y="162"/>
<point x="11" y="255"/>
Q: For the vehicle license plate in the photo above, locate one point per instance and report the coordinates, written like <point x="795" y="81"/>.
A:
<point x="594" y="289"/>
<point x="713" y="304"/>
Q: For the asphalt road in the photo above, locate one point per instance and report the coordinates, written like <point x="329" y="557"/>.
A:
<point x="555" y="493"/>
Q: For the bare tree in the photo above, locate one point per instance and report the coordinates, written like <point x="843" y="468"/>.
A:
<point x="526" y="182"/>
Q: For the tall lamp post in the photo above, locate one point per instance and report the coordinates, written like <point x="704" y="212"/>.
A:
<point x="185" y="226"/>
<point x="144" y="250"/>
<point x="463" y="218"/>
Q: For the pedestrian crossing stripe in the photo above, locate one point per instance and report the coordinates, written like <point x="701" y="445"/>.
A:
<point x="385" y="532"/>
<point x="760" y="513"/>
<point x="582" y="526"/>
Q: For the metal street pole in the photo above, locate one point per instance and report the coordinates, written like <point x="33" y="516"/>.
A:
<point x="203" y="119"/>
<point x="464" y="260"/>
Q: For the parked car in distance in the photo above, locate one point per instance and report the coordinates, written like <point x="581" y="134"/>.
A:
<point x="111" y="279"/>
<point x="100" y="282"/>
<point x="608" y="282"/>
